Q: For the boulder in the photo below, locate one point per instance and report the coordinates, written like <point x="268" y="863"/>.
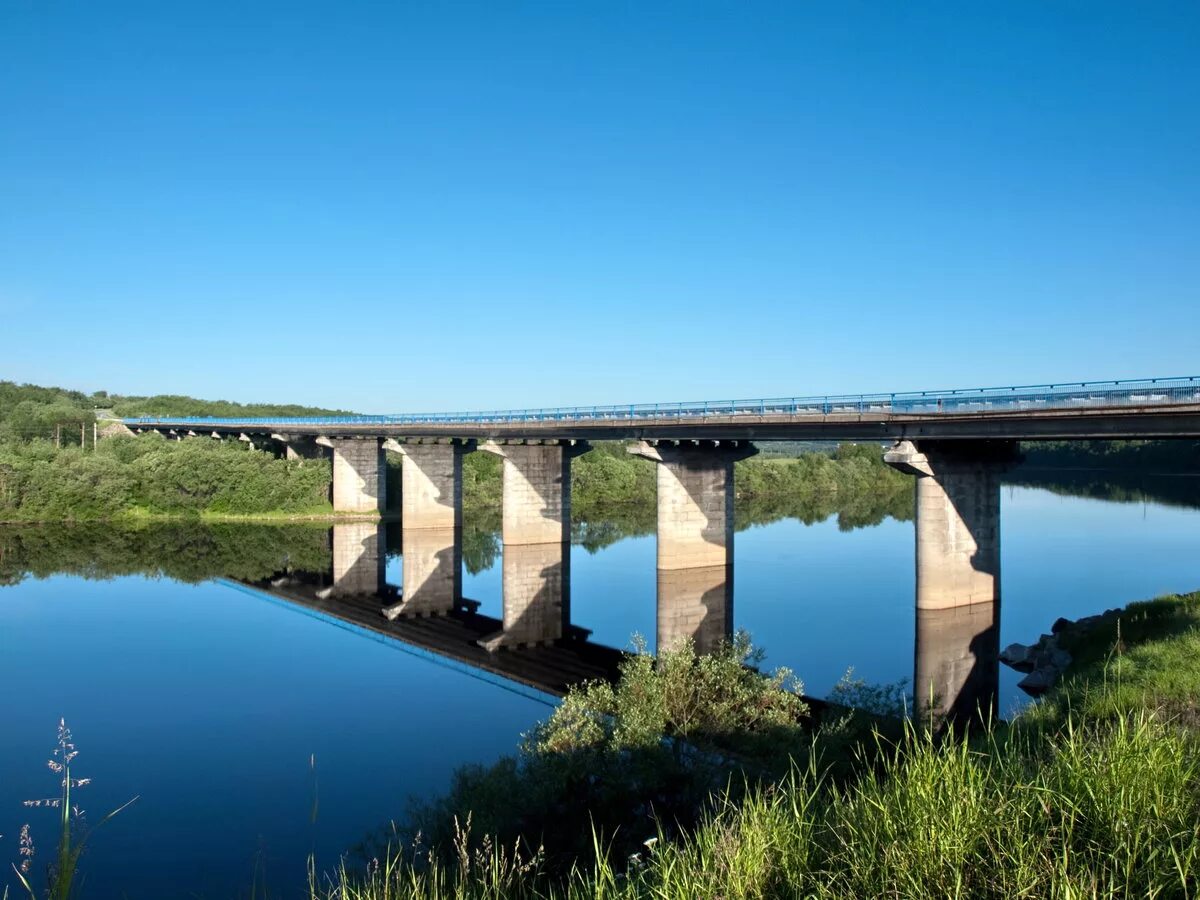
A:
<point x="1018" y="656"/>
<point x="1060" y="625"/>
<point x="1038" y="682"/>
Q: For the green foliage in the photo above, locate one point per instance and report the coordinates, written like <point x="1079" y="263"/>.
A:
<point x="1145" y="658"/>
<point x="717" y="700"/>
<point x="148" y="474"/>
<point x="1095" y="794"/>
<point x="662" y="743"/>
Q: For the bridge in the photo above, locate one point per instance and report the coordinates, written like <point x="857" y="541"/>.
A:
<point x="955" y="443"/>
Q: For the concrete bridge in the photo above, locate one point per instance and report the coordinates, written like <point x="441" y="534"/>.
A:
<point x="955" y="444"/>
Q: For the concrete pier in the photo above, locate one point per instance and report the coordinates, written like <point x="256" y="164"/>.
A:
<point x="956" y="669"/>
<point x="431" y="484"/>
<point x="300" y="446"/>
<point x="957" y="518"/>
<point x="358" y="477"/>
<point x="695" y="501"/>
<point x="537" y="595"/>
<point x="537" y="490"/>
<point x="358" y="558"/>
<point x="695" y="604"/>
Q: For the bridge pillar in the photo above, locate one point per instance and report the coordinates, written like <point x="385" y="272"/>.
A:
<point x="358" y="477"/>
<point x="537" y="490"/>
<point x="358" y="558"/>
<point x="695" y="604"/>
<point x="956" y="667"/>
<point x="957" y="518"/>
<point x="536" y="530"/>
<point x="431" y="483"/>
<point x="300" y="446"/>
<point x="695" y="501"/>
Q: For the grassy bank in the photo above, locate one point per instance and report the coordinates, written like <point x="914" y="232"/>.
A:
<point x="1094" y="793"/>
<point x="148" y="477"/>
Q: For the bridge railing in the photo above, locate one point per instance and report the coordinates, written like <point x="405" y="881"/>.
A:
<point x="1076" y="395"/>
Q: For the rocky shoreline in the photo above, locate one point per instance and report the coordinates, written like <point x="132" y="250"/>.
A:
<point x="1046" y="660"/>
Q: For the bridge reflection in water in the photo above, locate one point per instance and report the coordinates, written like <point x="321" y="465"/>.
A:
<point x="535" y="644"/>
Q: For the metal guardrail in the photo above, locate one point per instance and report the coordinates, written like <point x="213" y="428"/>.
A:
<point x="1031" y="398"/>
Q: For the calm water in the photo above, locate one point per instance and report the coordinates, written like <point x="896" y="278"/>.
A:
<point x="210" y="699"/>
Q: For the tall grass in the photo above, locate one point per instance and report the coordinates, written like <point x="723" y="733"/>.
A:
<point x="73" y="834"/>
<point x="1093" y="794"/>
<point x="1100" y="812"/>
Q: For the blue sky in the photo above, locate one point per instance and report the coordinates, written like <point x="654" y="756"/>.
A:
<point x="406" y="206"/>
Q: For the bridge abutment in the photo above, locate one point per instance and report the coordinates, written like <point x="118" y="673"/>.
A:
<point x="358" y="477"/>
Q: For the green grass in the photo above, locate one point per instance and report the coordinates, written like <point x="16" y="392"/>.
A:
<point x="1093" y="794"/>
<point x="1147" y="658"/>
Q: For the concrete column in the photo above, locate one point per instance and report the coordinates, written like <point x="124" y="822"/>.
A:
<point x="358" y="558"/>
<point x="956" y="668"/>
<point x="537" y="592"/>
<point x="358" y="477"/>
<point x="300" y="446"/>
<point x="431" y="484"/>
<point x="537" y="491"/>
<point x="432" y="572"/>
<point x="695" y="604"/>
<point x="957" y="518"/>
<point x="695" y="501"/>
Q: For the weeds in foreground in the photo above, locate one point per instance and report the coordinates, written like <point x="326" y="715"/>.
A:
<point x="73" y="835"/>
<point x="1110" y="811"/>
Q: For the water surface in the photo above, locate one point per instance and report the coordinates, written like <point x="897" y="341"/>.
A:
<point x="202" y="669"/>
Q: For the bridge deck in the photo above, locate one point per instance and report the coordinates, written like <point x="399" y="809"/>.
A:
<point x="1142" y="409"/>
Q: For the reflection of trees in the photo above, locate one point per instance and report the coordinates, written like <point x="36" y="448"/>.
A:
<point x="185" y="551"/>
<point x="1114" y="485"/>
<point x="480" y="538"/>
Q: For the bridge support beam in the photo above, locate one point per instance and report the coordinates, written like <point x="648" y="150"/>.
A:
<point x="956" y="667"/>
<point x="695" y="501"/>
<point x="358" y="558"/>
<point x="957" y="518"/>
<point x="358" y="477"/>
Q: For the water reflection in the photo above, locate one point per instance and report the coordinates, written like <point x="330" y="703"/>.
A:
<point x="694" y="604"/>
<point x="956" y="665"/>
<point x="339" y="573"/>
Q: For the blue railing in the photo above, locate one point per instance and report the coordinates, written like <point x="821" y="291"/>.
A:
<point x="1075" y="395"/>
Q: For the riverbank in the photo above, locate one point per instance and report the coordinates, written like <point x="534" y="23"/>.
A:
<point x="148" y="478"/>
<point x="1092" y="792"/>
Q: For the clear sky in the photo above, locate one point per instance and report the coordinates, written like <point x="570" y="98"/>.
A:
<point x="406" y="206"/>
